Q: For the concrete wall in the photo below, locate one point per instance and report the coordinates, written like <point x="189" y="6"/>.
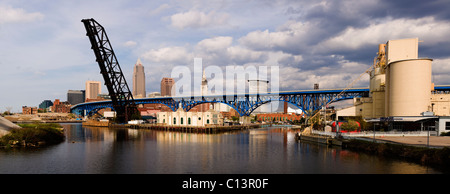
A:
<point x="440" y="104"/>
<point x="6" y="126"/>
<point x="402" y="49"/>
<point x="378" y="101"/>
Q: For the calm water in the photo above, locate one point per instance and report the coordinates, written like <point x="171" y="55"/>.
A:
<point x="129" y="151"/>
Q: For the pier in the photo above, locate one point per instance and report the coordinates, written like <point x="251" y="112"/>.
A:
<point x="189" y="129"/>
<point x="186" y="129"/>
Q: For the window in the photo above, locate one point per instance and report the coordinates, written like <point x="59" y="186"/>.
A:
<point x="164" y="120"/>
<point x="447" y="125"/>
<point x="207" y="121"/>
<point x="181" y="120"/>
<point x="174" y="121"/>
<point x="189" y="120"/>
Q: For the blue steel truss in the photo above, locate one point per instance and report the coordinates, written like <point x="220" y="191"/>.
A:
<point x="308" y="101"/>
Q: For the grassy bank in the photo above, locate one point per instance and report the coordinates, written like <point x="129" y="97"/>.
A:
<point x="32" y="135"/>
<point x="433" y="157"/>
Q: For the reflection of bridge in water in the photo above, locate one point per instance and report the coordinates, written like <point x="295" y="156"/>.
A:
<point x="307" y="100"/>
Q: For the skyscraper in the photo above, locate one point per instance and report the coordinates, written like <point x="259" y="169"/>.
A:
<point x="75" y="96"/>
<point x="138" y="80"/>
<point x="167" y="87"/>
<point x="93" y="88"/>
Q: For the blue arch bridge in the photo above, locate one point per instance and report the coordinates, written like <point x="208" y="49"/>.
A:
<point x="308" y="101"/>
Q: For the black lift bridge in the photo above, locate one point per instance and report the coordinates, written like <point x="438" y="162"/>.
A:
<point x="121" y="96"/>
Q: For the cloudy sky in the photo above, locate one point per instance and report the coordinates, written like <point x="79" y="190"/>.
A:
<point x="44" y="51"/>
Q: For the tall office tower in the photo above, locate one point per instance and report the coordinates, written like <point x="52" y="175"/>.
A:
<point x="167" y="87"/>
<point x="75" y="96"/>
<point x="138" y="80"/>
<point x="93" y="88"/>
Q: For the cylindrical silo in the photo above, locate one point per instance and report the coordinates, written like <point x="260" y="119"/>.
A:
<point x="377" y="80"/>
<point x="409" y="87"/>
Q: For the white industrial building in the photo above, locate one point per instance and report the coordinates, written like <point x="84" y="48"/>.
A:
<point x="401" y="90"/>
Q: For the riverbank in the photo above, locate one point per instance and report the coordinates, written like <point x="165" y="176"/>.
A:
<point x="430" y="151"/>
<point x="438" y="158"/>
<point x="48" y="121"/>
<point x="322" y="139"/>
<point x="33" y="135"/>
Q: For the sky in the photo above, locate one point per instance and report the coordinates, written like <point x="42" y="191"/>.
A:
<point x="44" y="51"/>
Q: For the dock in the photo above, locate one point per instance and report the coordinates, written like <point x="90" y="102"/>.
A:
<point x="189" y="129"/>
<point x="211" y="129"/>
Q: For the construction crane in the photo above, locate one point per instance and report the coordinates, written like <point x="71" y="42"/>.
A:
<point x="121" y="97"/>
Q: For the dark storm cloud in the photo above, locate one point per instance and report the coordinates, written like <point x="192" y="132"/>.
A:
<point x="417" y="8"/>
<point x="332" y="18"/>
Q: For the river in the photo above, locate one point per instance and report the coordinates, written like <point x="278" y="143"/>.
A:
<point x="270" y="150"/>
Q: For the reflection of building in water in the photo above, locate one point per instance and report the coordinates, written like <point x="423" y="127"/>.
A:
<point x="164" y="137"/>
<point x="182" y="118"/>
<point x="270" y="117"/>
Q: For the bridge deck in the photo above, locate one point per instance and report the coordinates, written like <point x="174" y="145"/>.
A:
<point x="246" y="103"/>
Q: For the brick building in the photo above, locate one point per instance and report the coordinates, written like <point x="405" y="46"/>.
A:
<point x="61" y="107"/>
<point x="29" y="110"/>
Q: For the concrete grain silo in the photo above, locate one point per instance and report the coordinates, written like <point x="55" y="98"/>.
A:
<point x="409" y="87"/>
<point x="408" y="79"/>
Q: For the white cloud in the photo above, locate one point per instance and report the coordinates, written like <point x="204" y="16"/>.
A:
<point x="427" y="29"/>
<point x="130" y="43"/>
<point x="174" y="54"/>
<point x="196" y="19"/>
<point x="441" y="66"/>
<point x="13" y="15"/>
<point x="219" y="43"/>
<point x="240" y="55"/>
<point x="160" y="9"/>
<point x="290" y="36"/>
<point x="440" y="71"/>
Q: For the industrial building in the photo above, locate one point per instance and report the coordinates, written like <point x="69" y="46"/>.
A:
<point x="182" y="118"/>
<point x="401" y="91"/>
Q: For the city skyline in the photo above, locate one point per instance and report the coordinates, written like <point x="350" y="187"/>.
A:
<point x="45" y="52"/>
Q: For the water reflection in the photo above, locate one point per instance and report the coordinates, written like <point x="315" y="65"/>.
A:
<point x="255" y="151"/>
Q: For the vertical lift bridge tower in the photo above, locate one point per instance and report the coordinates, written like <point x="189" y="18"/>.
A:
<point x="121" y="96"/>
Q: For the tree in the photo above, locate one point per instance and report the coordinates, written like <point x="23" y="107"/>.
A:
<point x="351" y="125"/>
